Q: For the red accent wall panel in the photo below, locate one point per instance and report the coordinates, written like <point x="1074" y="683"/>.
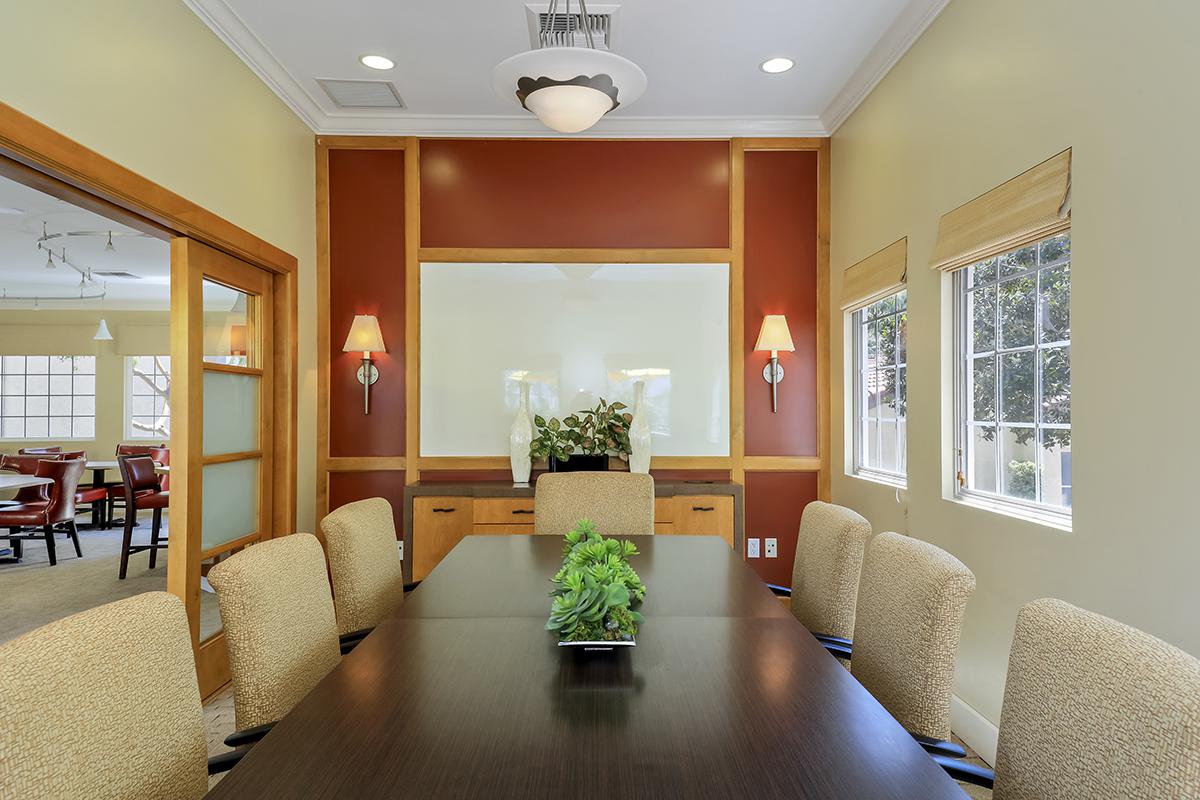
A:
<point x="551" y="193"/>
<point x="366" y="276"/>
<point x="347" y="487"/>
<point x="781" y="278"/>
<point x="774" y="503"/>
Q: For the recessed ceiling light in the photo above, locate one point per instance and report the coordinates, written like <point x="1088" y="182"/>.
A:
<point x="777" y="65"/>
<point x="376" y="62"/>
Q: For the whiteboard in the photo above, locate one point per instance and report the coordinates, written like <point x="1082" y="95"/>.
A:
<point x="575" y="333"/>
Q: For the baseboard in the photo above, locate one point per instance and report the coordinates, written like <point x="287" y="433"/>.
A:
<point x="974" y="728"/>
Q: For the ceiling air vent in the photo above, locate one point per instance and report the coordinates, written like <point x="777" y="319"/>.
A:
<point x="567" y="30"/>
<point x="361" y="94"/>
<point x="118" y="273"/>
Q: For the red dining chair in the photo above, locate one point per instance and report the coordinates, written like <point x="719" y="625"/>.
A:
<point x="116" y="491"/>
<point x="26" y="464"/>
<point x="142" y="491"/>
<point x="36" y="451"/>
<point x="95" y="496"/>
<point x="162" y="455"/>
<point x="58" y="509"/>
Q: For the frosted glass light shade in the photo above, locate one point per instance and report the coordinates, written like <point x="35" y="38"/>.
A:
<point x="774" y="334"/>
<point x="364" y="336"/>
<point x="565" y="64"/>
<point x="569" y="109"/>
<point x="102" y="333"/>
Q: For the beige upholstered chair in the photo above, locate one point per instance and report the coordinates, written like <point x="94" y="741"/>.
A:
<point x="279" y="625"/>
<point x="368" y="582"/>
<point x="1093" y="708"/>
<point x="911" y="601"/>
<point x="104" y="704"/>
<point x="620" y="503"/>
<point x="829" y="558"/>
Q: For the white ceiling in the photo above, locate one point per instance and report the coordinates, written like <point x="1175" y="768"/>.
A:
<point x="701" y="58"/>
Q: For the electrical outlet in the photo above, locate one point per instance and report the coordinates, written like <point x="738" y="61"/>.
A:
<point x="752" y="548"/>
<point x="772" y="548"/>
<point x="400" y="547"/>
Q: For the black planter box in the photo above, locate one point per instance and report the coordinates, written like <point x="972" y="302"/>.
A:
<point x="580" y="463"/>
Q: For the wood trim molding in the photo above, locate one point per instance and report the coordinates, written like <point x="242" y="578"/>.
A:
<point x="783" y="464"/>
<point x="366" y="464"/>
<point x="225" y="458"/>
<point x="412" y="308"/>
<point x="779" y="143"/>
<point x="232" y="369"/>
<point x="322" y="210"/>
<point x="824" y="445"/>
<point x="364" y="142"/>
<point x="521" y="255"/>
<point x="737" y="310"/>
<point x="29" y="142"/>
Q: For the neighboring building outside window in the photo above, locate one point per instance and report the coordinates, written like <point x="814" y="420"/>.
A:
<point x="880" y="389"/>
<point x="1013" y="404"/>
<point x="148" y="397"/>
<point x="47" y="397"/>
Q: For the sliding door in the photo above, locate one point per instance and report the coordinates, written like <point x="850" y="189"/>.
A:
<point x="224" y="382"/>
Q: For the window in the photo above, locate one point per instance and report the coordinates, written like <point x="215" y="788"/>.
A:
<point x="148" y="397"/>
<point x="880" y="388"/>
<point x="47" y="397"/>
<point x="1014" y="377"/>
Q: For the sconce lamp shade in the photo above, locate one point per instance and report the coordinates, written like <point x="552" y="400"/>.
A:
<point x="364" y="336"/>
<point x="774" y="334"/>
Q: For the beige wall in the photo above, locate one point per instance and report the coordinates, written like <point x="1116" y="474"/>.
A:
<point x="146" y="84"/>
<point x="988" y="91"/>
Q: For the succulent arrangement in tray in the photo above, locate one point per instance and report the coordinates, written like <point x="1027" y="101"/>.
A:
<point x="595" y="589"/>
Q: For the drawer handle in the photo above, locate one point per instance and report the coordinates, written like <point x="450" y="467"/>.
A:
<point x="444" y="510"/>
<point x="703" y="508"/>
<point x="522" y="511"/>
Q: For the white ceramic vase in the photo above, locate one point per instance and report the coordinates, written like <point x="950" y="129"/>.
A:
<point x="639" y="432"/>
<point x="520" y="435"/>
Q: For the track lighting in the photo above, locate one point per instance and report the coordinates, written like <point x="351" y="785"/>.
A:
<point x="108" y="248"/>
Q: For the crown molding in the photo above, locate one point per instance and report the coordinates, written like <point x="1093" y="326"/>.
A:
<point x="891" y="47"/>
<point x="895" y="42"/>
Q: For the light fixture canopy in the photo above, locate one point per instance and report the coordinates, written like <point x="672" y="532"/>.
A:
<point x="568" y="88"/>
<point x="774" y="66"/>
<point x="376" y="61"/>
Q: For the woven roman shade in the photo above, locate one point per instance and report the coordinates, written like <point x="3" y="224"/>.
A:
<point x="1031" y="206"/>
<point x="876" y="276"/>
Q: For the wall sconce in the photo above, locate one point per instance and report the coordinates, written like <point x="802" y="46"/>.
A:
<point x="365" y="336"/>
<point x="774" y="336"/>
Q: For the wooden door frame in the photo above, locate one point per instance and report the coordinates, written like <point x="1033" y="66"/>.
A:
<point x="35" y="155"/>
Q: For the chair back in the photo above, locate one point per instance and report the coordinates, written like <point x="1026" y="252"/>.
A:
<point x="78" y="721"/>
<point x="911" y="601"/>
<point x="138" y="475"/>
<point x="829" y="557"/>
<point x="619" y="503"/>
<point x="26" y="464"/>
<point x="66" y="475"/>
<point x="30" y="451"/>
<point x="1095" y="708"/>
<point x="279" y="624"/>
<point x="71" y="455"/>
<point x="137" y="449"/>
<point x="368" y="582"/>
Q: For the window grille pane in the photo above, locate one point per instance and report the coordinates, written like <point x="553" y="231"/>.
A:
<point x="1017" y="300"/>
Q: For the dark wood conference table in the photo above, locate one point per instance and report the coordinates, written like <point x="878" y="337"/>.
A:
<point x="463" y="694"/>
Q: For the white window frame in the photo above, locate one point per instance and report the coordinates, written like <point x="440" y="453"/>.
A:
<point x="130" y="431"/>
<point x="898" y="479"/>
<point x="73" y="416"/>
<point x="1035" y="511"/>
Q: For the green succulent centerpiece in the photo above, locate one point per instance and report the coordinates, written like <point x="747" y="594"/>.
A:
<point x="595" y="589"/>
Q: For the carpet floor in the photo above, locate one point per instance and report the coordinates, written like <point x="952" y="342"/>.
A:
<point x="34" y="593"/>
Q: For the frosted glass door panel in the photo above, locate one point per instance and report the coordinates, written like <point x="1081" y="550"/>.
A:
<point x="230" y="413"/>
<point x="575" y="333"/>
<point x="230" y="502"/>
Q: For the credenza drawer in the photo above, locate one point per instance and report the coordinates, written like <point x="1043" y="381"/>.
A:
<point x="503" y="510"/>
<point x="704" y="515"/>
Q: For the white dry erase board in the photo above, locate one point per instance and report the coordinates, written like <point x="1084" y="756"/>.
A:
<point x="575" y="333"/>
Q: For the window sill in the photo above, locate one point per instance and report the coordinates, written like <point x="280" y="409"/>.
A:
<point x="1048" y="519"/>
<point x="892" y="481"/>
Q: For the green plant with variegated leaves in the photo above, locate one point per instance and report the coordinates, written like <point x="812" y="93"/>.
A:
<point x="594" y="588"/>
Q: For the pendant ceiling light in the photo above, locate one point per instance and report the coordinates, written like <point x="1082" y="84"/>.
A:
<point x="568" y="88"/>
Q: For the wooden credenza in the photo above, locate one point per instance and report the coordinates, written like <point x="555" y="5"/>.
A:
<point x="437" y="515"/>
